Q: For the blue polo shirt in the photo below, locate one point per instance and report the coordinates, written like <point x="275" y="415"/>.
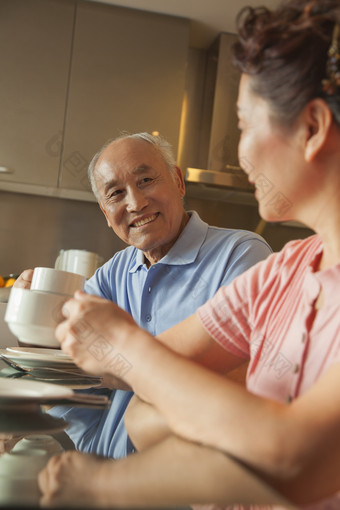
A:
<point x="203" y="259"/>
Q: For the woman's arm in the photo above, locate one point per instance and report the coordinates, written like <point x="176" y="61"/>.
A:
<point x="171" y="473"/>
<point x="191" y="340"/>
<point x="300" y="441"/>
<point x="295" y="447"/>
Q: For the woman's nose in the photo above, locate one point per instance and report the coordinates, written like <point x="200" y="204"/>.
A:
<point x="136" y="200"/>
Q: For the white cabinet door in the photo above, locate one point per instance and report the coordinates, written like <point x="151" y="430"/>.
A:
<point x="128" y="74"/>
<point x="35" y="50"/>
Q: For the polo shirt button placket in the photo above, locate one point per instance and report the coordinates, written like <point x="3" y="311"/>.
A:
<point x="297" y="368"/>
<point x="148" y="318"/>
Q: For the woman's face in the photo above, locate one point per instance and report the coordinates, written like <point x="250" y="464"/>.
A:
<point x="272" y="156"/>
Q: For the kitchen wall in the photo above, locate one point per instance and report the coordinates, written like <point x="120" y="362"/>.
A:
<point x="34" y="228"/>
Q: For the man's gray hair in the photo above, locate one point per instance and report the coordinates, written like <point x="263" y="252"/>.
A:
<point x="160" y="143"/>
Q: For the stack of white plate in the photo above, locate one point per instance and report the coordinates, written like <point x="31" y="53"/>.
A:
<point x="48" y="365"/>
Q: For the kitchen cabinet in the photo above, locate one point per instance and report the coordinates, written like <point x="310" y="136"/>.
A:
<point x="128" y="74"/>
<point x="76" y="74"/>
<point x="35" y="51"/>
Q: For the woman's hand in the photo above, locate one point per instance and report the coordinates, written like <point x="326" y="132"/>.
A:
<point x="24" y="280"/>
<point x="73" y="478"/>
<point x="95" y="334"/>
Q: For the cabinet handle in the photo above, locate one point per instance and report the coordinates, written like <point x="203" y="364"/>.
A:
<point x="6" y="170"/>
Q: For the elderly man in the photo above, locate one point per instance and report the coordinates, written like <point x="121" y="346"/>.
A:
<point x="174" y="264"/>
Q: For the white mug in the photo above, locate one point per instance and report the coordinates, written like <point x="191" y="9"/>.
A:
<point x="78" y="261"/>
<point x="32" y="316"/>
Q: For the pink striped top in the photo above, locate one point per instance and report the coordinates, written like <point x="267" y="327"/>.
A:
<point x="267" y="315"/>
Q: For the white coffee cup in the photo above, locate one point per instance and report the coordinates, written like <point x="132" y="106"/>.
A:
<point x="48" y="279"/>
<point x="78" y="261"/>
<point x="18" y="477"/>
<point x="32" y="316"/>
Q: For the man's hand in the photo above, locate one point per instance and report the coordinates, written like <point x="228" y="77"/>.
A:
<point x="7" y="442"/>
<point x="24" y="280"/>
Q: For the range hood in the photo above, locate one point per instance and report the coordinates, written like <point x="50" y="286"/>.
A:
<point x="217" y="159"/>
<point x="232" y="178"/>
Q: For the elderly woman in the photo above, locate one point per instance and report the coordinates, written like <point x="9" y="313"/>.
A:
<point x="282" y="315"/>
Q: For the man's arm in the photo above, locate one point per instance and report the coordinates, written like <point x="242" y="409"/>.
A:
<point x="146" y="426"/>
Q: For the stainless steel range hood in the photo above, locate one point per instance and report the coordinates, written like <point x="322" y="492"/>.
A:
<point x="216" y="164"/>
<point x="233" y="178"/>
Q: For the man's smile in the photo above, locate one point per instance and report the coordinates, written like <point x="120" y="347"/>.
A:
<point x="144" y="221"/>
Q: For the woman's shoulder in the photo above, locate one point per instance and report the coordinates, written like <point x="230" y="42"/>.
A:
<point x="302" y="247"/>
<point x="293" y="258"/>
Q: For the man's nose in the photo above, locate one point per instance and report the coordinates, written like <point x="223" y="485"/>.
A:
<point x="136" y="200"/>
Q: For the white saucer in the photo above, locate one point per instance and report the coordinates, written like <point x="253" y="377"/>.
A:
<point x="31" y="391"/>
<point x="36" y="357"/>
<point x="39" y="352"/>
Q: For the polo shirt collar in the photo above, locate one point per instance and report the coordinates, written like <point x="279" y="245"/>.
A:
<point x="185" y="249"/>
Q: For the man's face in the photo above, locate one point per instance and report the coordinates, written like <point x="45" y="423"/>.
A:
<point x="140" y="197"/>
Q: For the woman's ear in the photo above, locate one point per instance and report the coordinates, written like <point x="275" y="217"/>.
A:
<point x="319" y="118"/>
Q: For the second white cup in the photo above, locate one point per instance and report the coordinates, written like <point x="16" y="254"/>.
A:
<point x="47" y="279"/>
<point x="78" y="261"/>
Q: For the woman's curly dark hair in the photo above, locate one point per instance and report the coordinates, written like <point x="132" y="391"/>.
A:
<point x="285" y="51"/>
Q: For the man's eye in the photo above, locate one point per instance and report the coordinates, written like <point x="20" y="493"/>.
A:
<point x="115" y="193"/>
<point x="146" y="180"/>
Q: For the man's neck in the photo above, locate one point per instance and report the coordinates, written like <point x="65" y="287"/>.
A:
<point x="155" y="255"/>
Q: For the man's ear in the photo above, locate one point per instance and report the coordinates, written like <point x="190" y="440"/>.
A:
<point x="319" y="120"/>
<point x="180" y="180"/>
<point x="105" y="214"/>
